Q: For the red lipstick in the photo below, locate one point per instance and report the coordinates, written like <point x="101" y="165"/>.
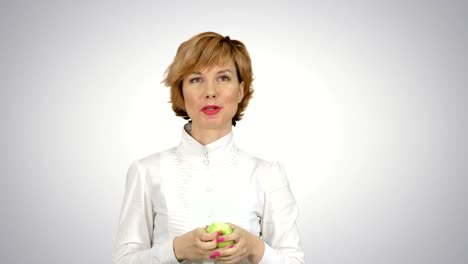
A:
<point x="211" y="109"/>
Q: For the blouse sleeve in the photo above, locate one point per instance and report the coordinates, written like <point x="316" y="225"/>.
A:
<point x="279" y="230"/>
<point x="133" y="243"/>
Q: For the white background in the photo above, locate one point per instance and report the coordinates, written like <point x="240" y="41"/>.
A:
<point x="364" y="102"/>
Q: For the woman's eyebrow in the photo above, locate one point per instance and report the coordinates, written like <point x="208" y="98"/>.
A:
<point x="220" y="71"/>
<point x="224" y="71"/>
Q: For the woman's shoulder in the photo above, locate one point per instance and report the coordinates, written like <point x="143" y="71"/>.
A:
<point x="259" y="162"/>
<point x="270" y="174"/>
<point x="153" y="159"/>
<point x="148" y="167"/>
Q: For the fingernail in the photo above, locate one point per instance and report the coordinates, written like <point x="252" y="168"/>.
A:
<point x="218" y="233"/>
<point x="231" y="246"/>
<point x="220" y="239"/>
<point x="215" y="254"/>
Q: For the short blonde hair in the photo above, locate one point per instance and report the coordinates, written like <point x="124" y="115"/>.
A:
<point x="202" y="50"/>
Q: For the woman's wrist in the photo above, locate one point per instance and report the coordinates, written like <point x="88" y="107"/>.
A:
<point x="257" y="250"/>
<point x="177" y="249"/>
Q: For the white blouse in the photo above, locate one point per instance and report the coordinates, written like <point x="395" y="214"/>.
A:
<point x="192" y="185"/>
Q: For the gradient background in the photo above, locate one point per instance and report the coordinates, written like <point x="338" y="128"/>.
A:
<point x="364" y="102"/>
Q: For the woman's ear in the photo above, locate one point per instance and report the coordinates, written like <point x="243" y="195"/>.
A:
<point x="241" y="91"/>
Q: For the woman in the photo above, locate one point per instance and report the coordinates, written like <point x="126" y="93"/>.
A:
<point x="173" y="195"/>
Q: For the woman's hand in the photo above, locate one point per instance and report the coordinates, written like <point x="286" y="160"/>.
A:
<point x="246" y="245"/>
<point x="196" y="244"/>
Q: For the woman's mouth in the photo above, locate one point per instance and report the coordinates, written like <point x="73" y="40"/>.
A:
<point x="211" y="109"/>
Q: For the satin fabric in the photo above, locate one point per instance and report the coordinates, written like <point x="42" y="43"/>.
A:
<point x="172" y="192"/>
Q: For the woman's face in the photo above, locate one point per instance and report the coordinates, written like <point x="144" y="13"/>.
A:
<point x="212" y="95"/>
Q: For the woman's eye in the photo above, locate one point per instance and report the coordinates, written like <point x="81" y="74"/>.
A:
<point x="224" y="78"/>
<point x="195" y="80"/>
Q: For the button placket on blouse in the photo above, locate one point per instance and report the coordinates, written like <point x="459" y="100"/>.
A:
<point x="209" y="187"/>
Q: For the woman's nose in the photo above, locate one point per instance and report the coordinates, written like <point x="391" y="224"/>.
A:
<point x="210" y="90"/>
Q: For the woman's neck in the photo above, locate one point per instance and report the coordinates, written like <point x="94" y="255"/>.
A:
<point x="207" y="136"/>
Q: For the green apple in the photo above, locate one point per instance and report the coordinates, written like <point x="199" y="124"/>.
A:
<point x="224" y="228"/>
